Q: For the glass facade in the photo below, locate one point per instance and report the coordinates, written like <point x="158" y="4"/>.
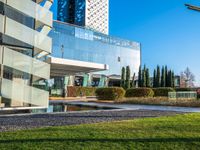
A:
<point x="71" y="11"/>
<point x="80" y="12"/>
<point x="92" y="14"/>
<point x="77" y="43"/>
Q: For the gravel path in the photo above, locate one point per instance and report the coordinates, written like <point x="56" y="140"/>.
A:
<point x="20" y="122"/>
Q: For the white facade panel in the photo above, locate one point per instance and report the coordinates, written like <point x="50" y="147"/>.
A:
<point x="23" y="93"/>
<point x="1" y="24"/>
<point x="27" y="35"/>
<point x="32" y="9"/>
<point x="26" y="64"/>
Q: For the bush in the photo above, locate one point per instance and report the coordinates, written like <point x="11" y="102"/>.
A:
<point x="75" y="91"/>
<point x="162" y="92"/>
<point x="112" y="93"/>
<point x="139" y="92"/>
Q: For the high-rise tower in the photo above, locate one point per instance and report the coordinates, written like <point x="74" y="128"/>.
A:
<point x="93" y="14"/>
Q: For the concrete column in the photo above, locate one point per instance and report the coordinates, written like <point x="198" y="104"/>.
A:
<point x="71" y="81"/>
<point x="103" y="80"/>
<point x="85" y="80"/>
<point x="66" y="82"/>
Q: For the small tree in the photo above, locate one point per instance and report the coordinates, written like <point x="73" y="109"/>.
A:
<point x="147" y="78"/>
<point x="123" y="78"/>
<point x="163" y="77"/>
<point x="188" y="78"/>
<point x="127" y="83"/>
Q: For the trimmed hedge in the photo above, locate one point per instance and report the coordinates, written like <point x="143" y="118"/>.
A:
<point x="198" y="93"/>
<point x="139" y="92"/>
<point x="112" y="93"/>
<point x="185" y="89"/>
<point x="75" y="91"/>
<point x="162" y="92"/>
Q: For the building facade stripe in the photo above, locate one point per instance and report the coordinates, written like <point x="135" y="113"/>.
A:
<point x="22" y="93"/>
<point x="25" y="63"/>
<point x="32" y="9"/>
<point x="27" y="35"/>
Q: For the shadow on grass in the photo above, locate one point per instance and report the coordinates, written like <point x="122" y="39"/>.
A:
<point x="143" y="140"/>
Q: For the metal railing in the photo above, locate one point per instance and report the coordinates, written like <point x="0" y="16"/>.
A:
<point x="182" y="95"/>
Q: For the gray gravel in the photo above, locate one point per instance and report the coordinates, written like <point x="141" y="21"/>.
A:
<point x="21" y="122"/>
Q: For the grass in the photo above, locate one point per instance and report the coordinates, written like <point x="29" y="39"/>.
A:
<point x="179" y="132"/>
<point x="163" y="101"/>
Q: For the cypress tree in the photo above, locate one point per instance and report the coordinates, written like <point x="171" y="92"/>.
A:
<point x="166" y="77"/>
<point x="144" y="77"/>
<point x="133" y="81"/>
<point x="158" y="77"/>
<point x="173" y="79"/>
<point x="140" y="77"/>
<point x="163" y="77"/>
<point x="123" y="78"/>
<point x="154" y="78"/>
<point x="147" y="78"/>
<point x="128" y="74"/>
<point x="169" y="78"/>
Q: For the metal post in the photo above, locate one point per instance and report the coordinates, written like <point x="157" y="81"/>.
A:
<point x="62" y="50"/>
<point x="192" y="7"/>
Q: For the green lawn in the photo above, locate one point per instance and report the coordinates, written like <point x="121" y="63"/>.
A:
<point x="177" y="132"/>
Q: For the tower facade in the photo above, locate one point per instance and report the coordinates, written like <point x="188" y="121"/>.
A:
<point x="92" y="14"/>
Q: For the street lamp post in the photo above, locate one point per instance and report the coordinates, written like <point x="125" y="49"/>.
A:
<point x="192" y="7"/>
<point x="62" y="50"/>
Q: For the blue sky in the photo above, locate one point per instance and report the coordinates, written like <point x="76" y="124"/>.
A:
<point x="168" y="32"/>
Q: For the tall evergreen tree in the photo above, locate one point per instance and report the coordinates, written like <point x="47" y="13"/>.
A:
<point x="154" y="78"/>
<point x="123" y="77"/>
<point x="144" y="77"/>
<point x="140" y="77"/>
<point x="166" y="77"/>
<point x="173" y="79"/>
<point x="128" y="75"/>
<point x="163" y="77"/>
<point x="169" y="78"/>
<point x="147" y="78"/>
<point x="158" y="81"/>
<point x="133" y="81"/>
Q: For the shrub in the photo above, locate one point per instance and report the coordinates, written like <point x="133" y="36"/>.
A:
<point x="139" y="92"/>
<point x="112" y="93"/>
<point x="74" y="91"/>
<point x="162" y="92"/>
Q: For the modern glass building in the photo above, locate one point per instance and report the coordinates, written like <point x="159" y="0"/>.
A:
<point x="81" y="44"/>
<point x="80" y="56"/>
<point x="24" y="47"/>
<point x="92" y="14"/>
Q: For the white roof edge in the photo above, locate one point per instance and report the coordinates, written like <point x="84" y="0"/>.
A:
<point x="78" y="63"/>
